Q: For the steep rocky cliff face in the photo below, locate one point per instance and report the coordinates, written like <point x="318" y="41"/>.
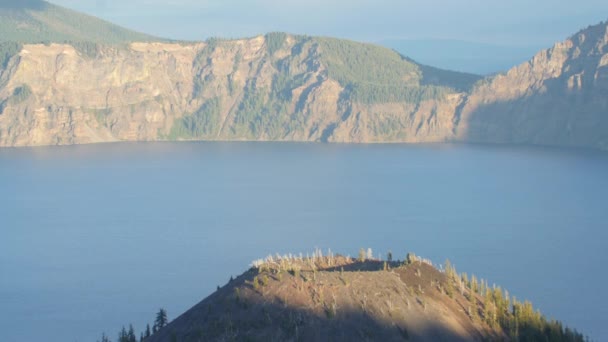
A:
<point x="55" y="95"/>
<point x="560" y="97"/>
<point x="280" y="87"/>
<point x="275" y="87"/>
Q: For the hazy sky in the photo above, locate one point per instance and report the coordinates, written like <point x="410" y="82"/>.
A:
<point x="503" y="22"/>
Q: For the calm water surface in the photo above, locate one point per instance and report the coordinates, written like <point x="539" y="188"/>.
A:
<point x="94" y="237"/>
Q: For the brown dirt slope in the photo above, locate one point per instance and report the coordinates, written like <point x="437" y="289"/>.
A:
<point x="337" y="299"/>
<point x="281" y="87"/>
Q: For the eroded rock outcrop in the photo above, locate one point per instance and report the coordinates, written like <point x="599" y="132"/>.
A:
<point x="281" y="87"/>
<point x="219" y="90"/>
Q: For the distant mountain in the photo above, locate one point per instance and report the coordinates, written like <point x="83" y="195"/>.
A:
<point x="282" y="87"/>
<point x="333" y="298"/>
<point x="35" y="21"/>
<point x="472" y="57"/>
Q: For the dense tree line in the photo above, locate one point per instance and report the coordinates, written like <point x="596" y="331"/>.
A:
<point x="203" y="123"/>
<point x="375" y="74"/>
<point x="498" y="309"/>
<point x="7" y="51"/>
<point x="350" y="62"/>
<point x="128" y="335"/>
<point x="275" y="41"/>
<point x="374" y="93"/>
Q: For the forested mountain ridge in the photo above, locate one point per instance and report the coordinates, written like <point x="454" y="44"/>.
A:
<point x="274" y="87"/>
<point x="282" y="87"/>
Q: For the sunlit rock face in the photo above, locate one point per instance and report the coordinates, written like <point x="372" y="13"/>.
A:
<point x="280" y="87"/>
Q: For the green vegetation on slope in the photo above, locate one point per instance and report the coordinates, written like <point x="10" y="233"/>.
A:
<point x="268" y="113"/>
<point x="375" y="74"/>
<point x="275" y="41"/>
<point x="496" y="308"/>
<point x="7" y="51"/>
<point x="460" y="81"/>
<point x="21" y="94"/>
<point x="201" y="124"/>
<point x="37" y="21"/>
<point x="262" y="112"/>
<point x="370" y="74"/>
<point x="350" y="62"/>
<point x="251" y="111"/>
<point x="379" y="93"/>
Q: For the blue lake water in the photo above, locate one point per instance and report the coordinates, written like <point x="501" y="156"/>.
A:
<point x="96" y="237"/>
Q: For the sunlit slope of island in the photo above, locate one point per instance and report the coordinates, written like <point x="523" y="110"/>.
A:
<point x="333" y="298"/>
<point x="281" y="87"/>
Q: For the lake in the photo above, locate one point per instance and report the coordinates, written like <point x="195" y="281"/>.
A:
<point x="100" y="236"/>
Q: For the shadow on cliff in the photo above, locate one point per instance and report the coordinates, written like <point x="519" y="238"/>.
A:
<point x="316" y="306"/>
<point x="570" y="110"/>
<point x="460" y="81"/>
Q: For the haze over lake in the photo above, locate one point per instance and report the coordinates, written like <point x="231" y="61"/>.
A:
<point x="96" y="237"/>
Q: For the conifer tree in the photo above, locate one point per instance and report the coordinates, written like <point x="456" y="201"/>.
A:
<point x="131" y="334"/>
<point x="449" y="270"/>
<point x="473" y="300"/>
<point x="449" y="287"/>
<point x="161" y="319"/>
<point x="465" y="280"/>
<point x="104" y="338"/>
<point x="474" y="283"/>
<point x="410" y="258"/>
<point x="123" y="336"/>
<point x="361" y="255"/>
<point x="483" y="287"/>
<point x="489" y="309"/>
